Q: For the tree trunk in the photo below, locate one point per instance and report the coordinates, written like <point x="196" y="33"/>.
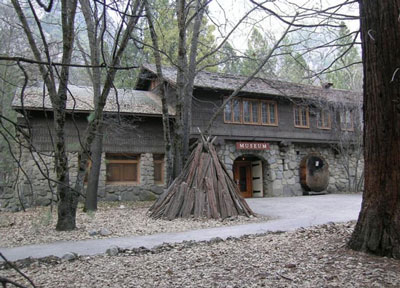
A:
<point x="378" y="226"/>
<point x="91" y="18"/>
<point x="96" y="122"/>
<point x="191" y="74"/>
<point x="181" y="82"/>
<point x="164" y="102"/>
<point x="93" y="181"/>
<point x="68" y="198"/>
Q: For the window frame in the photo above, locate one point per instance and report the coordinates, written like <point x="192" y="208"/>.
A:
<point x="259" y="111"/>
<point x="123" y="161"/>
<point x="230" y="103"/>
<point x="269" y="113"/>
<point x="300" y="108"/>
<point x="162" y="162"/>
<point x="320" y="115"/>
<point x="343" y="113"/>
<point x="251" y="111"/>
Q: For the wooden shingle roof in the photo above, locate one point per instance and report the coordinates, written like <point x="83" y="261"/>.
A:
<point x="80" y="99"/>
<point x="261" y="86"/>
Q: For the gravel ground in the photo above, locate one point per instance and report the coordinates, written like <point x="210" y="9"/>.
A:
<point x="37" y="225"/>
<point x="312" y="257"/>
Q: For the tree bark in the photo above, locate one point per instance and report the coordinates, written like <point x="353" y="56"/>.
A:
<point x="96" y="122"/>
<point x="378" y="226"/>
<point x="94" y="172"/>
<point x="94" y="35"/>
<point x="181" y="82"/>
<point x="68" y="197"/>
<point x="191" y="74"/>
<point x="164" y="102"/>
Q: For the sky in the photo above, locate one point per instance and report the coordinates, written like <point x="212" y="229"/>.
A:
<point x="233" y="10"/>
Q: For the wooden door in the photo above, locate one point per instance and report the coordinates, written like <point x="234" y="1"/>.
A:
<point x="257" y="176"/>
<point x="243" y="178"/>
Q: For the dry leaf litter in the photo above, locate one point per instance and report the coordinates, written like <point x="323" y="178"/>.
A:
<point x="312" y="257"/>
<point x="113" y="219"/>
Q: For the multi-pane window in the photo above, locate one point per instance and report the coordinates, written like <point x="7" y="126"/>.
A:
<point x="158" y="160"/>
<point x="346" y="120"/>
<point x="269" y="113"/>
<point x="324" y="119"/>
<point x="236" y="111"/>
<point x="250" y="111"/>
<point x="232" y="113"/>
<point x="301" y="117"/>
<point x="122" y="168"/>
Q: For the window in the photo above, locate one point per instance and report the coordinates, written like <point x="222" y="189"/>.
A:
<point x="249" y="111"/>
<point x="232" y="111"/>
<point x="346" y="120"/>
<point x="122" y="168"/>
<point x="158" y="160"/>
<point x="236" y="111"/>
<point x="324" y="119"/>
<point x="301" y="117"/>
<point x="269" y="113"/>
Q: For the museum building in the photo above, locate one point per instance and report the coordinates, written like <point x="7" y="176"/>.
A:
<point x="273" y="137"/>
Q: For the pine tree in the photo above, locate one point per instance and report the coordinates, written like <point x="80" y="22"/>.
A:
<point x="293" y="67"/>
<point x="345" y="73"/>
<point x="257" y="48"/>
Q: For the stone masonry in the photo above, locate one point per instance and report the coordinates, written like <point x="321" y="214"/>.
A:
<point x="281" y="167"/>
<point x="280" y="175"/>
<point x="33" y="187"/>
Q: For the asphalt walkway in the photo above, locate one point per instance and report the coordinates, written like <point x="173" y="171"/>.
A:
<point x="288" y="213"/>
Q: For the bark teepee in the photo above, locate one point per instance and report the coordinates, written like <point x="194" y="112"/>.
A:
<point x="203" y="189"/>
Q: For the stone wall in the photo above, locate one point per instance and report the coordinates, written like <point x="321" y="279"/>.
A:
<point x="281" y="166"/>
<point x="144" y="190"/>
<point x="33" y="187"/>
<point x="280" y="175"/>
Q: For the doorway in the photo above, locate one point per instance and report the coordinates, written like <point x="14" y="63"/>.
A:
<point x="248" y="175"/>
<point x="242" y="175"/>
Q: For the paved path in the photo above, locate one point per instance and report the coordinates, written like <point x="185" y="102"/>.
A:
<point x="288" y="213"/>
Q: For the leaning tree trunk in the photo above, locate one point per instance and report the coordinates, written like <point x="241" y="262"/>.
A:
<point x="378" y="226"/>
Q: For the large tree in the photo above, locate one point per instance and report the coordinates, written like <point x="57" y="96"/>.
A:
<point x="57" y="88"/>
<point x="167" y="31"/>
<point x="257" y="47"/>
<point x="293" y="67"/>
<point x="56" y="79"/>
<point x="378" y="227"/>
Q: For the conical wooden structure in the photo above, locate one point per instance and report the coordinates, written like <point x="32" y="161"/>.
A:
<point x="204" y="189"/>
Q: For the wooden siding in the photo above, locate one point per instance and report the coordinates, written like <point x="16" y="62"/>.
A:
<point x="206" y="103"/>
<point x="139" y="135"/>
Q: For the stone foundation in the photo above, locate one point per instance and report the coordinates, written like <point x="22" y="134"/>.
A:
<point x="280" y="175"/>
<point x="33" y="188"/>
<point x="281" y="167"/>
